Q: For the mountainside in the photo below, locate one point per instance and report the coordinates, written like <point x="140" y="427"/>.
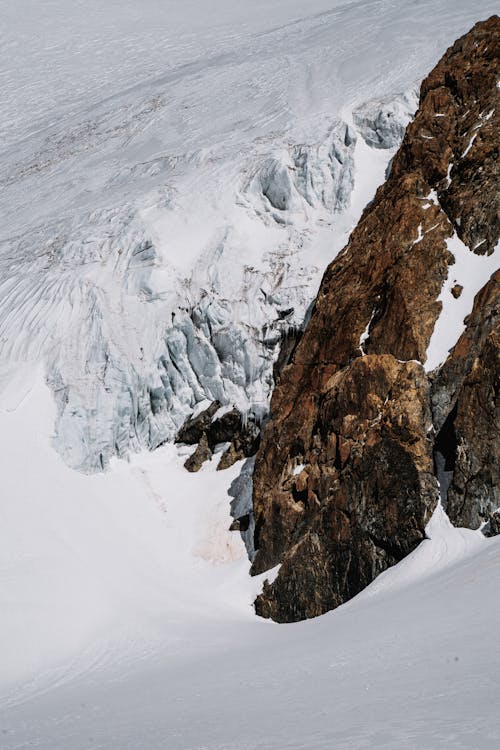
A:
<point x="176" y="177"/>
<point x="365" y="424"/>
<point x="160" y="216"/>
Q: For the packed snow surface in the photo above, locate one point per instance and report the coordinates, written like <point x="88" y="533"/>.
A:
<point x="175" y="177"/>
<point x="127" y="620"/>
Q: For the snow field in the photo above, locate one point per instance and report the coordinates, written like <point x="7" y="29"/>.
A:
<point x="132" y="140"/>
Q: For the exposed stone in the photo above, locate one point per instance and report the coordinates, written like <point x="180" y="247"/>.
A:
<point x="242" y="434"/>
<point x="289" y="341"/>
<point x="465" y="399"/>
<point x="244" y="444"/>
<point x="453" y="140"/>
<point x="200" y="455"/>
<point x="194" y="427"/>
<point x="457" y="290"/>
<point x="493" y="526"/>
<point x="241" y="524"/>
<point x="223" y="429"/>
<point x="352" y="407"/>
<point x="349" y="516"/>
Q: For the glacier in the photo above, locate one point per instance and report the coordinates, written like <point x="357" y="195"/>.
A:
<point x="158" y="222"/>
<point x="175" y="178"/>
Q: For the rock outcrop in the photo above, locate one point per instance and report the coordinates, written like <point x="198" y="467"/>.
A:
<point x="215" y="426"/>
<point x="467" y="414"/>
<point x="345" y="479"/>
<point x="201" y="454"/>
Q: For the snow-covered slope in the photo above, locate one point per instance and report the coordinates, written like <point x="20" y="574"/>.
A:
<point x="127" y="621"/>
<point x="174" y="179"/>
<point x="175" y="176"/>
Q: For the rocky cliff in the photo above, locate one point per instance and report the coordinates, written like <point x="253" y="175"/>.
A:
<point x="371" y="409"/>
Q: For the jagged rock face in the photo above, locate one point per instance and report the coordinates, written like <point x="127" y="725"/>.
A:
<point x="371" y="449"/>
<point x="493" y="526"/>
<point x="344" y="480"/>
<point x="453" y="141"/>
<point x="244" y="443"/>
<point x="201" y="454"/>
<point x="465" y="399"/>
<point x="209" y="429"/>
<point x="193" y="428"/>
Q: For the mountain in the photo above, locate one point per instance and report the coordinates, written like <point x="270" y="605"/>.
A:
<point x="175" y="179"/>
<point x="366" y="423"/>
<point x="160" y="216"/>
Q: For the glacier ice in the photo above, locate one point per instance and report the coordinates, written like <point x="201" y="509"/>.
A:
<point x="315" y="176"/>
<point x="165" y="224"/>
<point x="382" y="122"/>
<point x="134" y="335"/>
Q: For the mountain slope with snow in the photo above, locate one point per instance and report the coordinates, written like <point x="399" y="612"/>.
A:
<point x="127" y="621"/>
<point x="141" y="252"/>
<point x="174" y="177"/>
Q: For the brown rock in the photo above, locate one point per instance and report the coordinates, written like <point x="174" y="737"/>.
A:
<point x="244" y="443"/>
<point x="355" y="409"/>
<point x="243" y="435"/>
<point x="229" y="457"/>
<point x="194" y="427"/>
<point x="373" y="503"/>
<point x="201" y="454"/>
<point x="466" y="408"/>
<point x="457" y="290"/>
<point x="462" y="90"/>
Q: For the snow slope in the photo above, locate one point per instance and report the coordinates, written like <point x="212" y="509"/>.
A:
<point x="126" y="620"/>
<point x="142" y="270"/>
<point x="89" y="562"/>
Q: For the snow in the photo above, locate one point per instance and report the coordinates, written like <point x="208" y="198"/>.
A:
<point x="366" y="333"/>
<point x="141" y="277"/>
<point x="84" y="558"/>
<point x="420" y="235"/>
<point x="382" y="123"/>
<point x="472" y="272"/>
<point x="469" y="145"/>
<point x="127" y="620"/>
<point x="139" y="258"/>
<point x="448" y="174"/>
<point x="433" y="197"/>
<point x="221" y="411"/>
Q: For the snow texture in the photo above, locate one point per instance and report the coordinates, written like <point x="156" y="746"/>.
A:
<point x="383" y="123"/>
<point x="127" y="620"/>
<point x="470" y="271"/>
<point x="175" y="178"/>
<point x="174" y="182"/>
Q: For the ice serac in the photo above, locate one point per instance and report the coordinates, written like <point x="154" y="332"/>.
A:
<point x="319" y="175"/>
<point x="382" y="123"/>
<point x="352" y="408"/>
